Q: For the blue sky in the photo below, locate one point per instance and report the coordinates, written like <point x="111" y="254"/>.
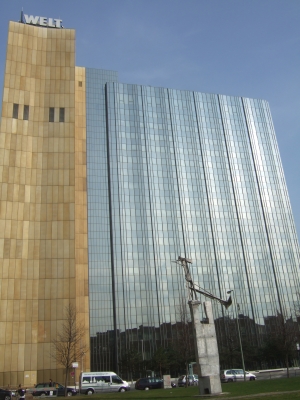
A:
<point x="246" y="48"/>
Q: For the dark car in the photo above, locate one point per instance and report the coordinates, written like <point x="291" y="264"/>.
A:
<point x="43" y="389"/>
<point x="5" y="394"/>
<point x="149" y="383"/>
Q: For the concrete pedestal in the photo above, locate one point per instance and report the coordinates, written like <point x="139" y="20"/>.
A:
<point x="206" y="349"/>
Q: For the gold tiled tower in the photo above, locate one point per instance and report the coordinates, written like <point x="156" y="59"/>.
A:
<point x="43" y="215"/>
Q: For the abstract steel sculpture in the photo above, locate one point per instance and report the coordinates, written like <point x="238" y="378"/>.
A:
<point x="205" y="339"/>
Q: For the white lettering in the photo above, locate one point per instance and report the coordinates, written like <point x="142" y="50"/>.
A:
<point x="58" y="23"/>
<point x="31" y="19"/>
<point x="50" y="23"/>
<point x="42" y="21"/>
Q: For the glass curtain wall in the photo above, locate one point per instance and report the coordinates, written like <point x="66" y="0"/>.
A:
<point x="100" y="277"/>
<point x="177" y="173"/>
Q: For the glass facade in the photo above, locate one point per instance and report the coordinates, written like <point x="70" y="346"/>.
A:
<point x="178" y="173"/>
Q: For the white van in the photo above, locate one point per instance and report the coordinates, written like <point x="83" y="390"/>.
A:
<point x="99" y="382"/>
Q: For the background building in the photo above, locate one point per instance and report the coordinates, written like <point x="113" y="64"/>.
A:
<point x="104" y="185"/>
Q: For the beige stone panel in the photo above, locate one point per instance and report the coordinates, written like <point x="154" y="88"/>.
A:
<point x="42" y="250"/>
<point x="48" y="309"/>
<point x="7" y="358"/>
<point x="4" y="197"/>
<point x="55" y="195"/>
<point x="2" y="334"/>
<point x="12" y="248"/>
<point x="7" y="229"/>
<point x="27" y="178"/>
<point x="43" y="215"/>
<point x="6" y="249"/>
<point x="30" y="275"/>
<point x="34" y="326"/>
<point x="16" y="179"/>
<point x="9" y="325"/>
<point x="5" y="171"/>
<point x="14" y="358"/>
<point x="2" y="351"/>
<point x="59" y="249"/>
<point x="27" y="361"/>
<point x="8" y="208"/>
<point x="19" y="246"/>
<point x="2" y="227"/>
<point x="10" y="192"/>
<point x="5" y="268"/>
<point x="41" y="335"/>
<point x="60" y="194"/>
<point x="16" y="329"/>
<point x="17" y="288"/>
<point x="18" y="268"/>
<point x="3" y="313"/>
<point x="37" y="225"/>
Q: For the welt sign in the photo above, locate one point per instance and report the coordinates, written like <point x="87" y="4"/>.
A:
<point x="42" y="21"/>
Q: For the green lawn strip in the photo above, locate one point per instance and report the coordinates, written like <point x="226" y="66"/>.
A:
<point x="263" y="386"/>
<point x="177" y="393"/>
<point x="232" y="390"/>
<point x="281" y="396"/>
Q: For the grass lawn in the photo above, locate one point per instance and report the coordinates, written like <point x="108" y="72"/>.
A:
<point x="257" y="390"/>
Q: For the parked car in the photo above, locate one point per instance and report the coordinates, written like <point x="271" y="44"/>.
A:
<point x="149" y="383"/>
<point x="43" y="389"/>
<point x="233" y="375"/>
<point x="193" y="380"/>
<point x="5" y="394"/>
<point x="100" y="382"/>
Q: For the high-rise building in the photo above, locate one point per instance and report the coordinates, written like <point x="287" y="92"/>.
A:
<point x="103" y="185"/>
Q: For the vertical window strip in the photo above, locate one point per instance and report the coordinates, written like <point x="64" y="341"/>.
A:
<point x="51" y="114"/>
<point x="15" y="111"/>
<point x="61" y="115"/>
<point x="26" y="113"/>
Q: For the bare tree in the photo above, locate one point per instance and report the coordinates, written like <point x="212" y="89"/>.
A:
<point x="69" y="344"/>
<point x="282" y="336"/>
<point x="130" y="362"/>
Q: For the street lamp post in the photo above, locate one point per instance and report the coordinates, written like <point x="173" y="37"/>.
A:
<point x="239" y="333"/>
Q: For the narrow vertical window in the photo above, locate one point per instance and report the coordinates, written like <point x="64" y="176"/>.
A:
<point x="51" y="114"/>
<point x="61" y="115"/>
<point x="26" y="113"/>
<point x="15" y="110"/>
<point x="80" y="83"/>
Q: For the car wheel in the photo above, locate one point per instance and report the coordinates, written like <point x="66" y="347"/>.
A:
<point x="69" y="394"/>
<point x="229" y="380"/>
<point x="89" y="391"/>
<point x="122" y="389"/>
<point x="43" y="395"/>
<point x="7" y="398"/>
<point x="252" y="378"/>
<point x="147" y="388"/>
